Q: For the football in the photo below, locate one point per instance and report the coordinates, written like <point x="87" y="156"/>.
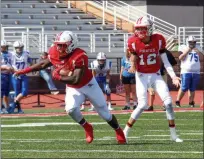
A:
<point x="65" y="72"/>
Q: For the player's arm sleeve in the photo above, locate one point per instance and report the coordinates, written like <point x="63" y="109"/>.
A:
<point x="167" y="65"/>
<point x="171" y="58"/>
<point x="131" y="47"/>
<point x="80" y="62"/>
<point x="132" y="50"/>
<point x="162" y="51"/>
<point x="162" y="45"/>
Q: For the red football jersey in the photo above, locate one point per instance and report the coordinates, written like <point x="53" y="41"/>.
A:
<point x="76" y="59"/>
<point x="149" y="60"/>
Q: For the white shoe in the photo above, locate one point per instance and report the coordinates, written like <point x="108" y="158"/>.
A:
<point x="4" y="111"/>
<point x="91" y="109"/>
<point x="55" y="92"/>
<point x="177" y="139"/>
<point x="126" y="136"/>
<point x="110" y="108"/>
<point x="82" y="108"/>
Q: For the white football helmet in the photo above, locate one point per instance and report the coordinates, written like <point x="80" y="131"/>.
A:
<point x="191" y="41"/>
<point x="67" y="38"/>
<point x="18" y="46"/>
<point x="141" y="23"/>
<point x="4" y="43"/>
<point x="101" y="56"/>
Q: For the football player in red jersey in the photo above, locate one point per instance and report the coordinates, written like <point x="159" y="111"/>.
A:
<point x="147" y="52"/>
<point x="79" y="83"/>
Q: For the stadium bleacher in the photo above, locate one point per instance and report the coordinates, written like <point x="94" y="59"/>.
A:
<point x="56" y="17"/>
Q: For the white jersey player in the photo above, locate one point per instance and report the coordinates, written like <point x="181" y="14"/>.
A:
<point x="20" y="60"/>
<point x="6" y="58"/>
<point x="6" y="70"/>
<point x="190" y="69"/>
<point x="191" y="63"/>
<point x="101" y="71"/>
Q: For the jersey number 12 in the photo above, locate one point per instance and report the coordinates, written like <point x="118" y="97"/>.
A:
<point x="151" y="59"/>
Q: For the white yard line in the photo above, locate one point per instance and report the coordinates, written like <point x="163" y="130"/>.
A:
<point x="38" y="119"/>
<point x="186" y="132"/>
<point x="5" y="143"/>
<point x="102" y="151"/>
<point x="50" y="123"/>
<point x="88" y="113"/>
<point x="179" y="133"/>
<point x="191" y="133"/>
<point x="176" y="130"/>
<point x="101" y="139"/>
<point x="59" y="123"/>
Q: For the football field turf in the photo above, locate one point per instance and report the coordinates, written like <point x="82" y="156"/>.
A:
<point x="60" y="137"/>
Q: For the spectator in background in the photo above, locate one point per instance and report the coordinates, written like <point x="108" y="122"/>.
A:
<point x="190" y="69"/>
<point x="20" y="60"/>
<point x="6" y="70"/>
<point x="128" y="79"/>
<point x="151" y="91"/>
<point x="45" y="74"/>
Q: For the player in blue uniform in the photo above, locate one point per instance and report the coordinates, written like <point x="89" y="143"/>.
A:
<point x="101" y="71"/>
<point x="190" y="69"/>
<point x="6" y="70"/>
<point x="21" y="59"/>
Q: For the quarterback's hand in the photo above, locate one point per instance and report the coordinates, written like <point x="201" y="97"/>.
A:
<point x="176" y="81"/>
<point x="132" y="69"/>
<point x="56" y="75"/>
<point x="108" y="89"/>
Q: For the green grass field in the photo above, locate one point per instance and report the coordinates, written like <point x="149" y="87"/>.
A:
<point x="60" y="137"/>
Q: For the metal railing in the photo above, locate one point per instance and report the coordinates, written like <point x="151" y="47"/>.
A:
<point x="122" y="10"/>
<point x="40" y="41"/>
<point x="31" y="36"/>
<point x="131" y="14"/>
<point x="92" y="39"/>
<point x="184" y="32"/>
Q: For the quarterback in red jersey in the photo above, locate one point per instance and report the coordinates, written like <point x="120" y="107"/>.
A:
<point x="65" y="55"/>
<point x="148" y="51"/>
